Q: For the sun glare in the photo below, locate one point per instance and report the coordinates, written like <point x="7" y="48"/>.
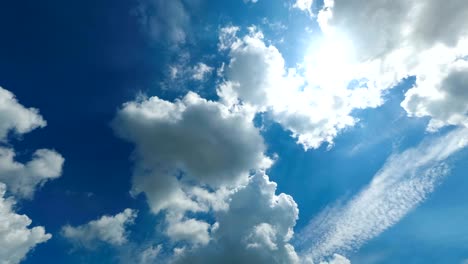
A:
<point x="328" y="62"/>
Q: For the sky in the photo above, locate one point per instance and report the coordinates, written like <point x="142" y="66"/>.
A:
<point x="240" y="131"/>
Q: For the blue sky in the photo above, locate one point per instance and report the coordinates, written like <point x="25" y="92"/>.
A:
<point x="196" y="131"/>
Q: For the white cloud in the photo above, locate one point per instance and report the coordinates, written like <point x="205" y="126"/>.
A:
<point x="107" y="229"/>
<point x="337" y="259"/>
<point x="201" y="71"/>
<point x="404" y="182"/>
<point x="194" y="231"/>
<point x="15" y="117"/>
<point x="150" y="254"/>
<point x="443" y="96"/>
<point x="255" y="229"/>
<point x="390" y="40"/>
<point x="189" y="155"/>
<point x="23" y="179"/>
<point x="315" y="112"/>
<point x="207" y="141"/>
<point x="304" y="5"/>
<point x="16" y="239"/>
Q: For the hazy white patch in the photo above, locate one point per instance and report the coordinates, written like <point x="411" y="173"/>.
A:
<point x="201" y="71"/>
<point x="164" y="20"/>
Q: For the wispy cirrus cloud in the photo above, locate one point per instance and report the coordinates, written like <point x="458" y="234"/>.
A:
<point x="403" y="183"/>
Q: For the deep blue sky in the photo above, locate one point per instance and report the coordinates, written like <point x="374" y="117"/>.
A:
<point x="79" y="61"/>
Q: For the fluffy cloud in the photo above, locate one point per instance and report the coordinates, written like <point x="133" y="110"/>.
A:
<point x="443" y="96"/>
<point x="107" y="229"/>
<point x="16" y="239"/>
<point x="23" y="179"/>
<point x="315" y="112"/>
<point x="191" y="230"/>
<point x="390" y="40"/>
<point x="255" y="229"/>
<point x="15" y="117"/>
<point x="404" y="182"/>
<point x="205" y="140"/>
<point x="188" y="155"/>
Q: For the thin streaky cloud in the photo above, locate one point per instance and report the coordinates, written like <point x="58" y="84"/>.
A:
<point x="402" y="183"/>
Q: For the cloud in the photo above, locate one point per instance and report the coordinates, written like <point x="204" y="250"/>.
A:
<point x="255" y="229"/>
<point x="150" y="254"/>
<point x="189" y="155"/>
<point x="15" y="117"/>
<point x="443" y="96"/>
<point x="164" y="20"/>
<point x="16" y="239"/>
<point x="208" y="142"/>
<point x="23" y="179"/>
<point x="194" y="231"/>
<point x="391" y="40"/>
<point x="304" y="5"/>
<point x="403" y="183"/>
<point x="201" y="71"/>
<point x="107" y="229"/>
<point x="337" y="259"/>
<point x="315" y="112"/>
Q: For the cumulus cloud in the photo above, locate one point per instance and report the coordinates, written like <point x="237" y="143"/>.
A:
<point x="443" y="96"/>
<point x="23" y="179"/>
<point x="315" y="112"/>
<point x="188" y="154"/>
<point x="107" y="229"/>
<point x="255" y="229"/>
<point x="16" y="239"/>
<point x="404" y="182"/>
<point x="390" y="40"/>
<point x="15" y="117"/>
<point x="207" y="141"/>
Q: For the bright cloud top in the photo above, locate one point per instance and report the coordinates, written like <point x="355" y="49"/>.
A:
<point x="315" y="112"/>
<point x="391" y="40"/>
